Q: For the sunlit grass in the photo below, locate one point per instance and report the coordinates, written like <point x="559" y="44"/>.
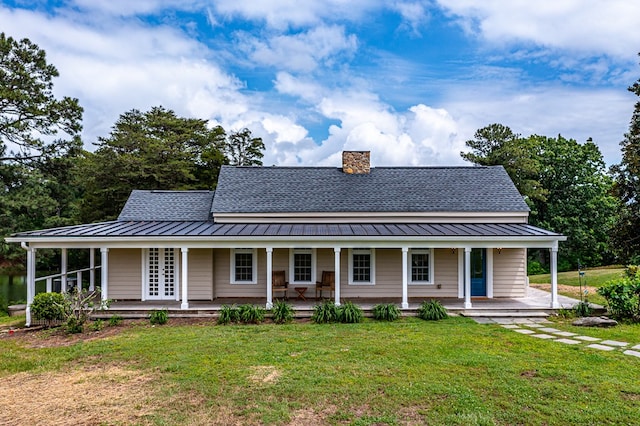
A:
<point x="448" y="372"/>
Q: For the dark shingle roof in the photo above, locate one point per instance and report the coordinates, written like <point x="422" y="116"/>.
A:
<point x="167" y="205"/>
<point x="385" y="189"/>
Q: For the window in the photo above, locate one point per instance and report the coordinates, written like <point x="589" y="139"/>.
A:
<point x="420" y="266"/>
<point x="243" y="266"/>
<point x="362" y="266"/>
<point x="303" y="264"/>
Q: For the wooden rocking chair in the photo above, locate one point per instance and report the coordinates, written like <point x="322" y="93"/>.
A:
<point x="328" y="283"/>
<point x="279" y="284"/>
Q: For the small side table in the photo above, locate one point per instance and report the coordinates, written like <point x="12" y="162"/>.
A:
<point x="301" y="291"/>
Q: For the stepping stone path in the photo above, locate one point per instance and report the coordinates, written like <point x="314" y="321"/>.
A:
<point x="538" y="327"/>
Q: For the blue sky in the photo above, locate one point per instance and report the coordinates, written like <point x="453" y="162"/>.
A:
<point x="409" y="80"/>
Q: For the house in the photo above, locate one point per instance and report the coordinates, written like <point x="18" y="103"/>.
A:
<point x="384" y="232"/>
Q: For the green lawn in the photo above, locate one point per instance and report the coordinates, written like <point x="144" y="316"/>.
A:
<point x="452" y="372"/>
<point x="593" y="278"/>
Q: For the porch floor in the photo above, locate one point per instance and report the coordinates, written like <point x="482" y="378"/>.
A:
<point x="535" y="303"/>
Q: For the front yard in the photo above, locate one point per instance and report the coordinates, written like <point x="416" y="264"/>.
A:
<point x="407" y="372"/>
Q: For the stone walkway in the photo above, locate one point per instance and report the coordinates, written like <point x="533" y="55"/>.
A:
<point x="539" y="328"/>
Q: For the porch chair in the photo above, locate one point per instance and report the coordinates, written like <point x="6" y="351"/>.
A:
<point x="328" y="283"/>
<point x="279" y="284"/>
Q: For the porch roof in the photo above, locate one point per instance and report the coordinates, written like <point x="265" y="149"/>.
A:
<point x="199" y="229"/>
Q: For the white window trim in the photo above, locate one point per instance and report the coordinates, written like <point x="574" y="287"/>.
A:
<point x="254" y="266"/>
<point x="409" y="266"/>
<point x="292" y="275"/>
<point x="372" y="253"/>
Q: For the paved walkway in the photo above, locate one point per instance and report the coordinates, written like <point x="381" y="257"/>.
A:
<point x="540" y="328"/>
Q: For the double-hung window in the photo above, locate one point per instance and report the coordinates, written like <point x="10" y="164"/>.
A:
<point x="243" y="266"/>
<point x="420" y="266"/>
<point x="362" y="266"/>
<point x="303" y="265"/>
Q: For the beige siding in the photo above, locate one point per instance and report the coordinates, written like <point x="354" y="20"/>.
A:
<point x="388" y="276"/>
<point x="509" y="272"/>
<point x="445" y="274"/>
<point x="200" y="274"/>
<point x="125" y="274"/>
<point x="222" y="275"/>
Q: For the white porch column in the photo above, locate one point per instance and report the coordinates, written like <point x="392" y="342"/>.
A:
<point x="31" y="282"/>
<point x="336" y="267"/>
<point x="104" y="273"/>
<point x="554" y="277"/>
<point x="405" y="278"/>
<point x="184" y="251"/>
<point x="269" y="277"/>
<point x="467" y="277"/>
<point x="92" y="271"/>
<point x="63" y="270"/>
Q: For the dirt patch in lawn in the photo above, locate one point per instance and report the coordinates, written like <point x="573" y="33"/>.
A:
<point x="569" y="290"/>
<point x="107" y="395"/>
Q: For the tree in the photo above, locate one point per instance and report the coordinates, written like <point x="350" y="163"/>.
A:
<point x="243" y="150"/>
<point x="627" y="188"/>
<point x="495" y="145"/>
<point x="28" y="108"/>
<point x="149" y="150"/>
<point x="564" y="184"/>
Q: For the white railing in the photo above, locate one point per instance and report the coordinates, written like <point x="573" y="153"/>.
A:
<point x="71" y="278"/>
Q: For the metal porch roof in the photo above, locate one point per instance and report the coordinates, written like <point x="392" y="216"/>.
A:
<point x="177" y="229"/>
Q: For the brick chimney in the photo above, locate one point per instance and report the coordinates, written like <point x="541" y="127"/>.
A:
<point x="356" y="162"/>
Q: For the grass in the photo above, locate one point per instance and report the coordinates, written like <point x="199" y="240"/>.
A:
<point x="16" y="321"/>
<point x="452" y="372"/>
<point x="594" y="278"/>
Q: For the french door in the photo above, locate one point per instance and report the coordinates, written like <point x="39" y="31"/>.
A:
<point x="161" y="282"/>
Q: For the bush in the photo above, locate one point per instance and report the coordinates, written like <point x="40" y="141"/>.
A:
<point x="582" y="309"/>
<point x="349" y="313"/>
<point x="535" y="268"/>
<point x="251" y="314"/>
<point x="115" y="320"/>
<point x="49" y="307"/>
<point x="623" y="298"/>
<point x="324" y="313"/>
<point x="79" y="305"/>
<point x="228" y="315"/>
<point x="386" y="312"/>
<point x="159" y="316"/>
<point x="631" y="271"/>
<point x="97" y="325"/>
<point x="282" y="312"/>
<point x="4" y="307"/>
<point x="432" y="311"/>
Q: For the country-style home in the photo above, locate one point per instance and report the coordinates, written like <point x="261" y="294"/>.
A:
<point x="361" y="231"/>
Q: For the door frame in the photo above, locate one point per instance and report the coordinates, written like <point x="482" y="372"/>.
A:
<point x="162" y="277"/>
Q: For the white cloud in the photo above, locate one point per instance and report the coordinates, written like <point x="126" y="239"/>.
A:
<point x="304" y="51"/>
<point x="588" y="26"/>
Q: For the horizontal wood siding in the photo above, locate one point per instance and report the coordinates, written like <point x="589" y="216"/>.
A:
<point x="125" y="274"/>
<point x="222" y="274"/>
<point x="200" y="274"/>
<point x="445" y="274"/>
<point x="509" y="272"/>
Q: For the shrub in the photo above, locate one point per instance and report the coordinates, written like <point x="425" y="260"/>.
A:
<point x="251" y="314"/>
<point x="49" y="307"/>
<point x="159" y="316"/>
<point x="282" y="312"/>
<point x="535" y="268"/>
<point x="631" y="271"/>
<point x="115" y="320"/>
<point x="4" y="307"/>
<point x="432" y="311"/>
<point x="386" y="312"/>
<point x="623" y="298"/>
<point x="582" y="309"/>
<point x="349" y="313"/>
<point x="229" y="314"/>
<point x="79" y="305"/>
<point x="97" y="325"/>
<point x="324" y="313"/>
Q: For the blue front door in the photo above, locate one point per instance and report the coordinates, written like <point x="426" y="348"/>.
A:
<point x="478" y="272"/>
